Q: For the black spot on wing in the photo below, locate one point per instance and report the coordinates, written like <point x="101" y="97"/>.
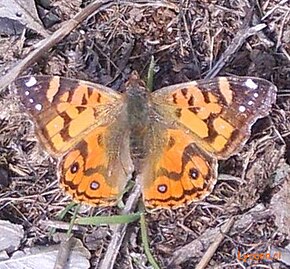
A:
<point x="184" y="92"/>
<point x="64" y="132"/>
<point x="191" y="101"/>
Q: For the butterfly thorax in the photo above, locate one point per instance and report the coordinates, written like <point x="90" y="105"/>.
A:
<point x="138" y="110"/>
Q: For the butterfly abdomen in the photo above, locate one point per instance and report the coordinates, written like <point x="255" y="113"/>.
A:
<point x="138" y="107"/>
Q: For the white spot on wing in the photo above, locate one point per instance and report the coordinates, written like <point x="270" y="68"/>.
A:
<point x="242" y="109"/>
<point x="38" y="107"/>
<point x="251" y="84"/>
<point x="250" y="103"/>
<point x="31" y="100"/>
<point x="31" y="82"/>
<point x="256" y="95"/>
<point x="26" y="93"/>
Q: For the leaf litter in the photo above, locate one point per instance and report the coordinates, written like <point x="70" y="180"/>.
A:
<point x="187" y="39"/>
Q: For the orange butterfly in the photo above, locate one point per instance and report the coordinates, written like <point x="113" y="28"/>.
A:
<point x="172" y="137"/>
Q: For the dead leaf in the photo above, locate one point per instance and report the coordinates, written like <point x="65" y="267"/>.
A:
<point x="45" y="257"/>
<point x="24" y="12"/>
<point x="280" y="202"/>
<point x="11" y="235"/>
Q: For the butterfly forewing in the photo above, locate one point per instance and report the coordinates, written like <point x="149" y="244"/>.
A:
<point x="219" y="112"/>
<point x="64" y="109"/>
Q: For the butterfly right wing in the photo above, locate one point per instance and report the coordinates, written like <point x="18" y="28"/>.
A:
<point x="96" y="170"/>
<point x="218" y="112"/>
<point x="197" y="123"/>
<point x="64" y="109"/>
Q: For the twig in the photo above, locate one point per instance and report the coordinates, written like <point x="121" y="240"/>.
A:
<point x="144" y="3"/>
<point x="285" y="19"/>
<point x="120" y="230"/>
<point x="150" y="75"/>
<point x="237" y="42"/>
<point x="287" y="55"/>
<point x="216" y="242"/>
<point x="193" y="53"/>
<point x="196" y="248"/>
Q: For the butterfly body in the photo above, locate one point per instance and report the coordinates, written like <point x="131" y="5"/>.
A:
<point x="138" y="114"/>
<point x="172" y="137"/>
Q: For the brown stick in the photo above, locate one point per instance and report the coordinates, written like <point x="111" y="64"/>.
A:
<point x="215" y="244"/>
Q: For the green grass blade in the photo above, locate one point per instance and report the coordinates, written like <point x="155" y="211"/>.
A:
<point x="72" y="222"/>
<point x="117" y="219"/>
<point x="145" y="242"/>
<point x="62" y="214"/>
<point x="150" y="75"/>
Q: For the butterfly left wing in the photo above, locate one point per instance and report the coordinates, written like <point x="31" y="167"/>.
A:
<point x="95" y="171"/>
<point x="217" y="112"/>
<point x="193" y="125"/>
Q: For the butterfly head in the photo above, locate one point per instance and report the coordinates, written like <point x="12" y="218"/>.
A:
<point x="136" y="86"/>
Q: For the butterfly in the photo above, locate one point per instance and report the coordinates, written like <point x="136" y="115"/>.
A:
<point x="172" y="138"/>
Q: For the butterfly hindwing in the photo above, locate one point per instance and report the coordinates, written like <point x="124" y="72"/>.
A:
<point x="96" y="170"/>
<point x="176" y="172"/>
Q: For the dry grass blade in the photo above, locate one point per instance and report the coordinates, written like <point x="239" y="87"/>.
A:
<point x="215" y="244"/>
<point x="195" y="248"/>
<point x="236" y="44"/>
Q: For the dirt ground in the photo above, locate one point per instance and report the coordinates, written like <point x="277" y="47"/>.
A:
<point x="248" y="211"/>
